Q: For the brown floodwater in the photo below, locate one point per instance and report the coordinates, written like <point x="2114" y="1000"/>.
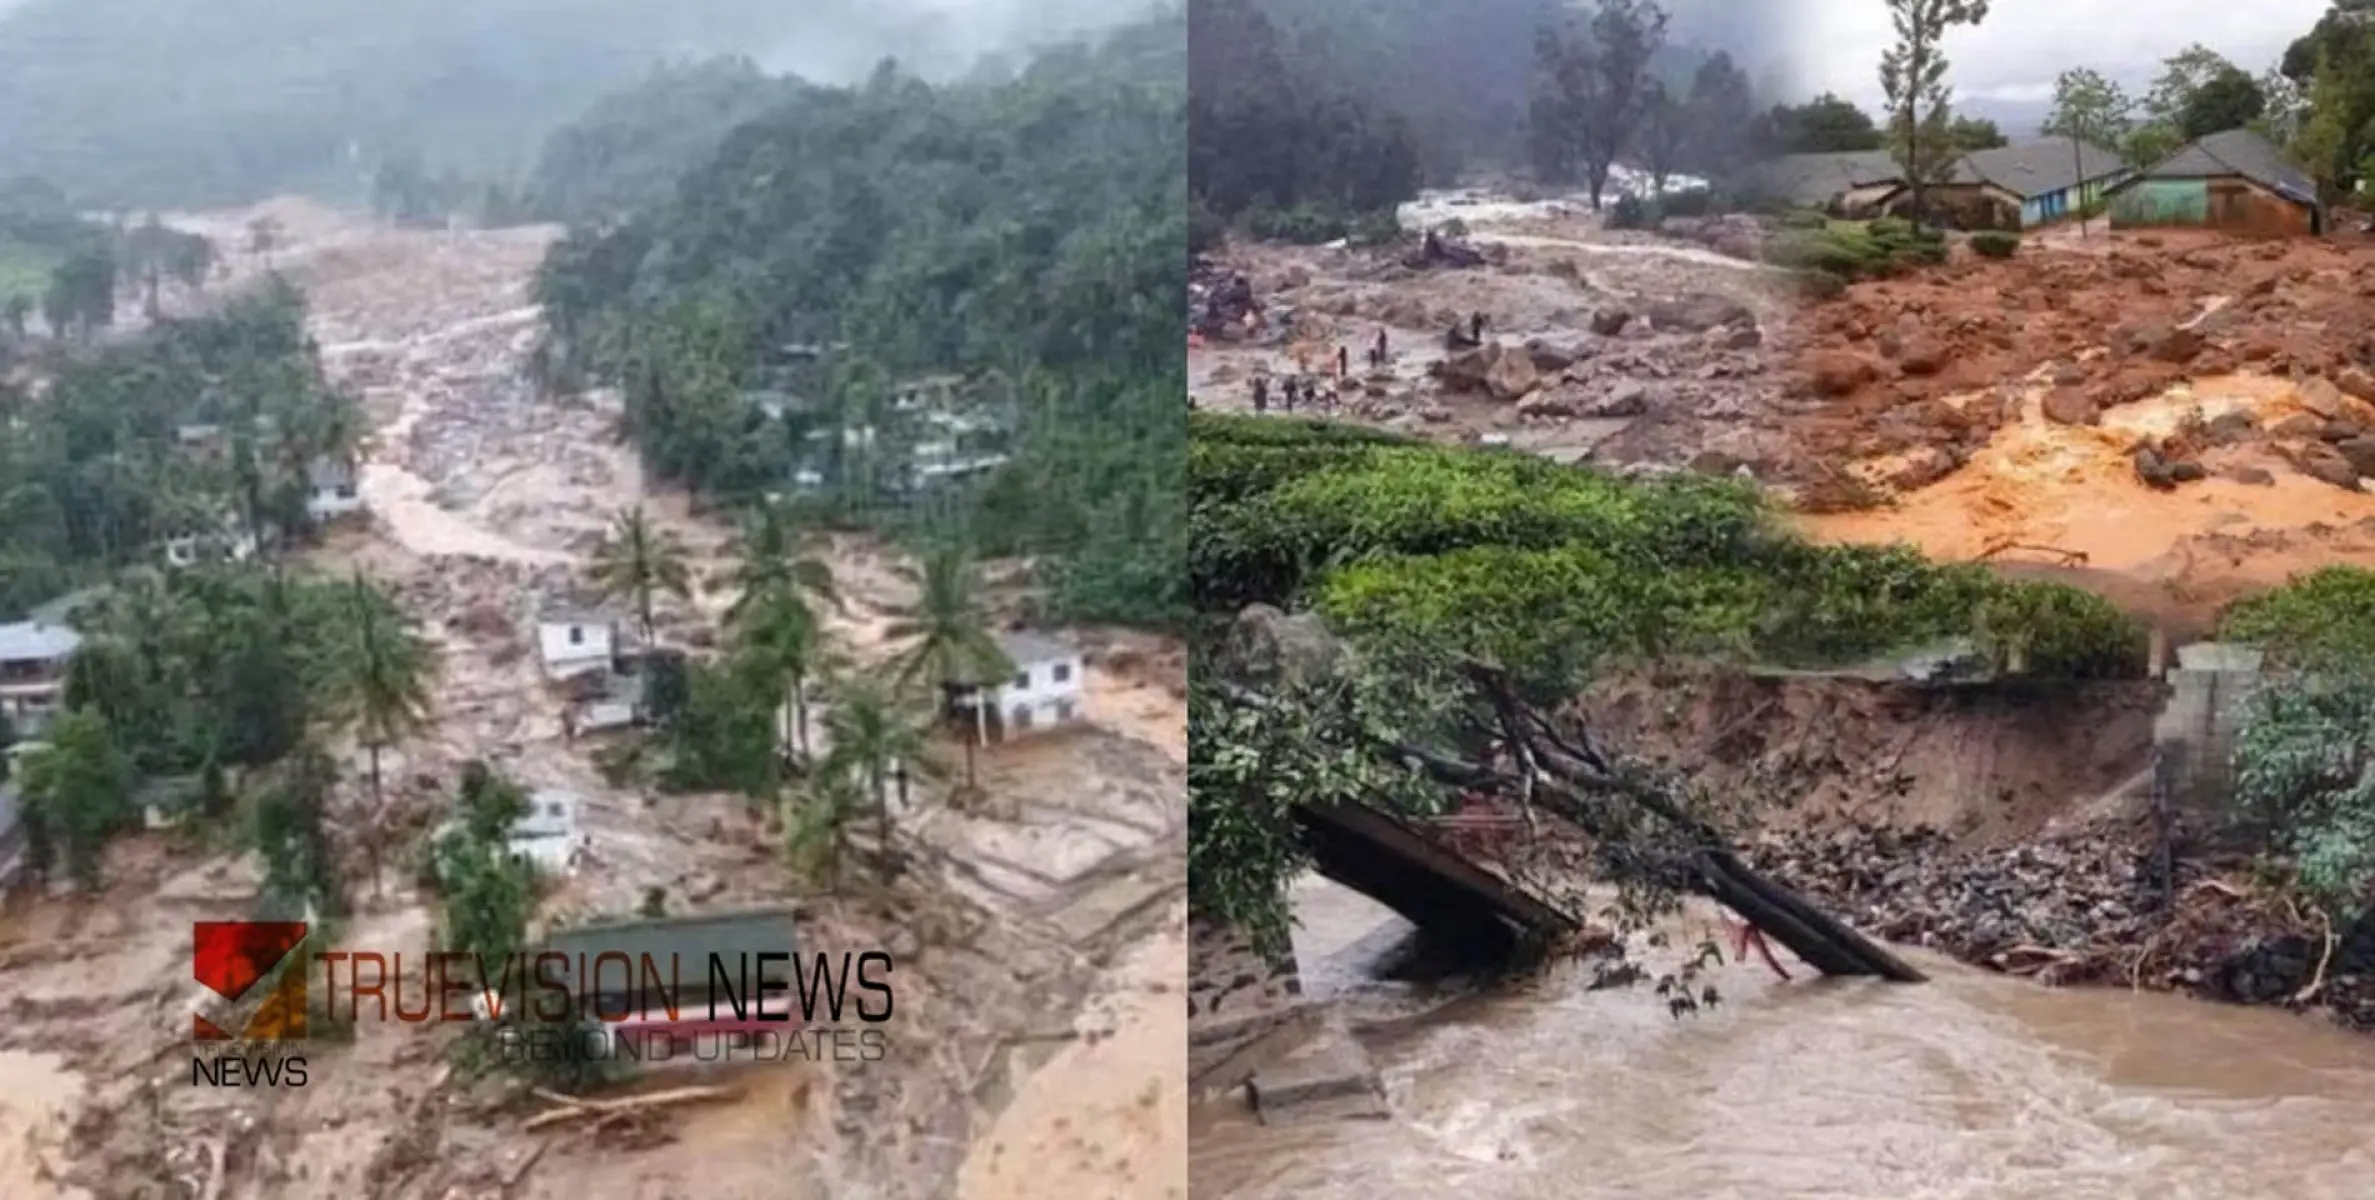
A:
<point x="1971" y="1087"/>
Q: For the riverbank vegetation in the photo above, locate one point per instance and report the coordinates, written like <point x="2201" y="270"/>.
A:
<point x="1425" y="560"/>
<point x="956" y="318"/>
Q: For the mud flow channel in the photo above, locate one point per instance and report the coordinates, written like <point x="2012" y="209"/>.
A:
<point x="1971" y="1087"/>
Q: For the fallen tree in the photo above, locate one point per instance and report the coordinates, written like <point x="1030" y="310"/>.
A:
<point x="1642" y="829"/>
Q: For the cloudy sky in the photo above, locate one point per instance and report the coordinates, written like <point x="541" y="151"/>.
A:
<point x="2015" y="54"/>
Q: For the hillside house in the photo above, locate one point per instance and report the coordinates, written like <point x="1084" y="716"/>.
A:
<point x="229" y="544"/>
<point x="2235" y="182"/>
<point x="1849" y="183"/>
<point x="33" y="660"/>
<point x="577" y="643"/>
<point x="547" y="836"/>
<point x="1043" y="693"/>
<point x="12" y="837"/>
<point x="334" y="489"/>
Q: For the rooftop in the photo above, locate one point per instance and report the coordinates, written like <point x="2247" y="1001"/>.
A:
<point x="2041" y="166"/>
<point x="36" y="641"/>
<point x="1024" y="646"/>
<point x="2238" y="152"/>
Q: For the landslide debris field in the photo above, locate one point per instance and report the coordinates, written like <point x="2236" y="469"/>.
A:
<point x="1050" y="917"/>
<point x="2170" y="418"/>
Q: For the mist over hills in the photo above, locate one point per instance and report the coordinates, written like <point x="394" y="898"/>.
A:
<point x="170" y="103"/>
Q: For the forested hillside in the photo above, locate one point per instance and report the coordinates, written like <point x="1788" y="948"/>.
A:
<point x="1028" y="236"/>
<point x="165" y="103"/>
<point x="629" y="149"/>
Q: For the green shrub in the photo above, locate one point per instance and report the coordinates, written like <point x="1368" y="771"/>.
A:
<point x="1690" y="202"/>
<point x="2323" y="618"/>
<point x="1818" y="285"/>
<point x="1245" y="429"/>
<point x="1994" y="244"/>
<point x="1303" y="225"/>
<point x="1433" y="500"/>
<point x="1381" y="228"/>
<point x="1804" y="218"/>
<point x="1631" y="212"/>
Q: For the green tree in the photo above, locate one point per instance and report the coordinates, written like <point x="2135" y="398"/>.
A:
<point x="291" y="834"/>
<point x="1596" y="90"/>
<point x="81" y="296"/>
<point x="378" y="687"/>
<point x="879" y="740"/>
<point x="2230" y="99"/>
<point x="782" y="638"/>
<point x="1913" y="78"/>
<point x="817" y="819"/>
<point x="78" y="790"/>
<point x="1974" y="133"/>
<point x="2088" y="107"/>
<point x="774" y="557"/>
<point x="947" y="636"/>
<point x="637" y="563"/>
<point x="1827" y="124"/>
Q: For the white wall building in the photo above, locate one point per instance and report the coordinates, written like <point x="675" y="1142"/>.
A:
<point x="334" y="491"/>
<point x="33" y="658"/>
<point x="576" y="642"/>
<point x="1044" y="692"/>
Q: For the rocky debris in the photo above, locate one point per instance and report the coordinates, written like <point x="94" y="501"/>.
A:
<point x="1609" y="322"/>
<point x="2325" y="464"/>
<point x="1833" y="373"/>
<point x="2070" y="406"/>
<point x="2082" y="908"/>
<point x="1512" y="376"/>
<point x="1547" y="358"/>
<point x="1698" y="312"/>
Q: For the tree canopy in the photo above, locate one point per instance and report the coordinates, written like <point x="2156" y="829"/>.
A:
<point x="779" y="322"/>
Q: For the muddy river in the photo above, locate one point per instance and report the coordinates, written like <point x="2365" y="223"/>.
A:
<point x="1972" y="1086"/>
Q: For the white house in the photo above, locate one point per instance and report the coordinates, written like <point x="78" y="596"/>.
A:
<point x="1044" y="692"/>
<point x="333" y="489"/>
<point x="547" y="835"/>
<point x="188" y="550"/>
<point x="33" y="658"/>
<point x="575" y="643"/>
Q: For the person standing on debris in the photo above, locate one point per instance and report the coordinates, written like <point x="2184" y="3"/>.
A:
<point x="1343" y="362"/>
<point x="1261" y="393"/>
<point x="1290" y="394"/>
<point x="1476" y="328"/>
<point x="1383" y="355"/>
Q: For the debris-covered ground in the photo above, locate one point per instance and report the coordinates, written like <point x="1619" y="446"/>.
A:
<point x="485" y="501"/>
<point x="1584" y="331"/>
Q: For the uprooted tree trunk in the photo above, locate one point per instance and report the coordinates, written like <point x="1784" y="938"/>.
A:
<point x="1563" y="774"/>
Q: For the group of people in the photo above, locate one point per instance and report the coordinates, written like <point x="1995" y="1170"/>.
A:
<point x="1304" y="390"/>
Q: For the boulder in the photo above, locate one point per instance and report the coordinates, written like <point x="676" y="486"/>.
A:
<point x="1921" y="354"/>
<point x="2248" y="475"/>
<point x="2359" y="452"/>
<point x="1466" y="370"/>
<point x="2301" y="426"/>
<point x="2070" y="406"/>
<point x="1609" y="322"/>
<point x="1834" y="372"/>
<point x="1548" y="358"/>
<point x="1737" y="337"/>
<point x="2356" y="381"/>
<point x="1511" y="377"/>
<point x="2326" y="465"/>
<point x="1699" y="312"/>
<point x="2232" y="428"/>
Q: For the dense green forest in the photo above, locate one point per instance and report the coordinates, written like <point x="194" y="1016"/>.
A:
<point x="1025" y="238"/>
<point x="628" y="151"/>
<point x="161" y="103"/>
<point x="97" y="475"/>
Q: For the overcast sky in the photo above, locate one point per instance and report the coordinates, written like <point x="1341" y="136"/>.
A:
<point x="2015" y="54"/>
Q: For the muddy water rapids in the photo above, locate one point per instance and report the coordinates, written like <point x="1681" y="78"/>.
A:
<point x="1971" y="1087"/>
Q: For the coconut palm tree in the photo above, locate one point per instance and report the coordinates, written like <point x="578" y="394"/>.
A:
<point x="947" y="635"/>
<point x="816" y="825"/>
<point x="772" y="557"/>
<point x="637" y="562"/>
<point x="377" y="683"/>
<point x="781" y="637"/>
<point x="876" y="737"/>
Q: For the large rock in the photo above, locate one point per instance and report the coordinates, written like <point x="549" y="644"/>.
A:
<point x="1466" y="370"/>
<point x="1699" y="312"/>
<point x="1835" y="372"/>
<point x="2325" y="464"/>
<point x="2162" y="341"/>
<point x="2359" y="452"/>
<point x="1922" y="355"/>
<point x="2070" y="406"/>
<point x="2356" y="381"/>
<point x="1609" y="322"/>
<point x="1512" y="376"/>
<point x="1548" y="358"/>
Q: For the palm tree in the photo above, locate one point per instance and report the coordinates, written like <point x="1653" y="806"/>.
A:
<point x="639" y="561"/>
<point x="377" y="682"/>
<point x="816" y="833"/>
<point x="947" y="631"/>
<point x="782" y="638"/>
<point x="876" y="737"/>
<point x="771" y="557"/>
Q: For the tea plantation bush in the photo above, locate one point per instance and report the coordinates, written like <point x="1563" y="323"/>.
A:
<point x="1994" y="244"/>
<point x="2323" y="618"/>
<point x="1550" y="569"/>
